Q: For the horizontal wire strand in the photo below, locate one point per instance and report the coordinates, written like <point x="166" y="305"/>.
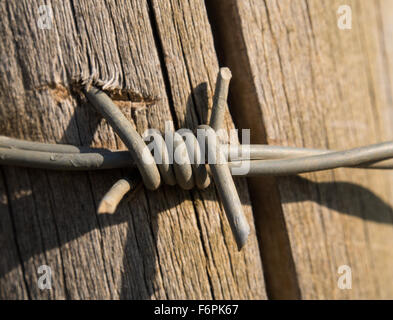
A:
<point x="363" y="156"/>
<point x="66" y="157"/>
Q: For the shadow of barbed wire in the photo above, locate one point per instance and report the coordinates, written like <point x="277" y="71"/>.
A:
<point x="344" y="197"/>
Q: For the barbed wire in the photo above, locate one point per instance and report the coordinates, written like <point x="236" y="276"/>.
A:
<point x="190" y="171"/>
<point x="263" y="159"/>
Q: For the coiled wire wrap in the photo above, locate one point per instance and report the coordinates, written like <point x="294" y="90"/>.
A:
<point x="185" y="172"/>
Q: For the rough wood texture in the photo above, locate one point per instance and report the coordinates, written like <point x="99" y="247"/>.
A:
<point x="158" y="61"/>
<point x="299" y="80"/>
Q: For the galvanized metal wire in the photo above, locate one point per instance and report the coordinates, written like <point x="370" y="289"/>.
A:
<point x="260" y="159"/>
<point x="263" y="159"/>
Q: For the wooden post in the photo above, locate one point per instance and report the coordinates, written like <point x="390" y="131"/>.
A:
<point x="157" y="61"/>
<point x="301" y="79"/>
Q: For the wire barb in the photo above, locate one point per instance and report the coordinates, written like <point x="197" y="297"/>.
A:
<point x="136" y="146"/>
<point x="226" y="188"/>
<point x="220" y="98"/>
<point x="113" y="197"/>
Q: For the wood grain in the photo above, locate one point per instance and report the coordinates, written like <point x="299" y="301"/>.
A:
<point x="298" y="80"/>
<point x="157" y="60"/>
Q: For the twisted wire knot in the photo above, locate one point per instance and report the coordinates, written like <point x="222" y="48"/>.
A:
<point x="187" y="169"/>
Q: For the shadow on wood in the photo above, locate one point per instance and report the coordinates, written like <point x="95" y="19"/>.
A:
<point x="60" y="207"/>
<point x="339" y="196"/>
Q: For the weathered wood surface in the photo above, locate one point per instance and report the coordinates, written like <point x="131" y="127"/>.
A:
<point x="299" y="80"/>
<point x="164" y="244"/>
